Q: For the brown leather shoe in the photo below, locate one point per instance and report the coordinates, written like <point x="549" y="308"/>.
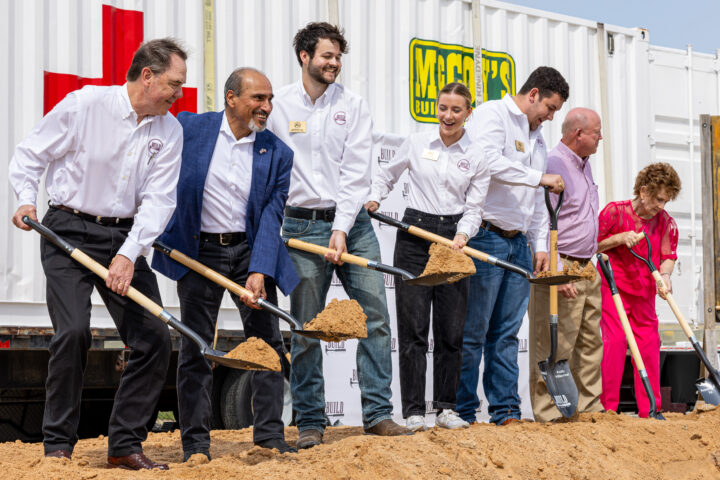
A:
<point x="309" y="438"/>
<point x="388" y="428"/>
<point x="59" y="454"/>
<point x="135" y="461"/>
<point x="509" y="421"/>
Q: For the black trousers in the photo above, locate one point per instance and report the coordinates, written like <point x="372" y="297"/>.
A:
<point x="200" y="301"/>
<point x="69" y="286"/>
<point x="412" y="305"/>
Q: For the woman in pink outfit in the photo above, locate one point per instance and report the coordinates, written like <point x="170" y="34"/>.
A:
<point x="619" y="229"/>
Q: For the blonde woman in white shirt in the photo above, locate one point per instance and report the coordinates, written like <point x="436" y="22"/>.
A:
<point x="449" y="179"/>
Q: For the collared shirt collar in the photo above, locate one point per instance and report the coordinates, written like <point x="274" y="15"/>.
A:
<point x="515" y="110"/>
<point x="569" y="153"/>
<point x="125" y="105"/>
<point x="463" y="143"/>
<point x="321" y="100"/>
<point x="225" y="128"/>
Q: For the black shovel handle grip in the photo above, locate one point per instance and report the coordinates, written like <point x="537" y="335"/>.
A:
<point x="48" y="234"/>
<point x="604" y="262"/>
<point x="553" y="211"/>
<point x="390" y="221"/>
<point x="646" y="260"/>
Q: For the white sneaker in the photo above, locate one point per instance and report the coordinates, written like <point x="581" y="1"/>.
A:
<point x="450" y="419"/>
<point x="416" y="423"/>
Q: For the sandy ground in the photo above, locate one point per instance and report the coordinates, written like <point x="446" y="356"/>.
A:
<point x="595" y="446"/>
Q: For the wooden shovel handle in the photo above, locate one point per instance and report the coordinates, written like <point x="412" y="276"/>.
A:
<point x="432" y="237"/>
<point x="210" y="274"/>
<point x="673" y="305"/>
<point x="132" y="292"/>
<point x="312" y="248"/>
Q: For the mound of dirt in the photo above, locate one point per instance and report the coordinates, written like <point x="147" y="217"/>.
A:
<point x="340" y="320"/>
<point x="585" y="273"/>
<point x="445" y="260"/>
<point x="592" y="446"/>
<point x="255" y="350"/>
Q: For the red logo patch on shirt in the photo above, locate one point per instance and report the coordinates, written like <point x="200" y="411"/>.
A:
<point x="339" y="118"/>
<point x="154" y="146"/>
<point x="463" y="165"/>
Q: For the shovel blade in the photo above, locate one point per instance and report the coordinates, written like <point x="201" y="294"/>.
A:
<point x="708" y="391"/>
<point x="560" y="386"/>
<point x="437" y="278"/>
<point x="555" y="279"/>
<point x="221" y="358"/>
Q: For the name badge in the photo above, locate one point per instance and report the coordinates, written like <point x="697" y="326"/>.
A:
<point x="519" y="146"/>
<point x="430" y="154"/>
<point x="297" y="127"/>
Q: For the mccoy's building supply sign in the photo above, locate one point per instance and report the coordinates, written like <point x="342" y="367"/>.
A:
<point x="433" y="65"/>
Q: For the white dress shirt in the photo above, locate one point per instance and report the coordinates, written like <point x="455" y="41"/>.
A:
<point x="332" y="142"/>
<point x="227" y="186"/>
<point x="100" y="161"/>
<point x="517" y="159"/>
<point x="444" y="180"/>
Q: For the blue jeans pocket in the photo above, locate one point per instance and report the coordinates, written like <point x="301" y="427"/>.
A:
<point x="295" y="226"/>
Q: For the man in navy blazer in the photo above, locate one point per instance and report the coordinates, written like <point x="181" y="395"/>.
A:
<point x="232" y="189"/>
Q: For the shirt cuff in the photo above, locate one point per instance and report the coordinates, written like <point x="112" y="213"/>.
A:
<point x="534" y="177"/>
<point x="131" y="250"/>
<point x="26" y="200"/>
<point x="343" y="224"/>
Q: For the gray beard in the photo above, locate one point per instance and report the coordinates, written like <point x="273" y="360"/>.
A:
<point x="254" y="126"/>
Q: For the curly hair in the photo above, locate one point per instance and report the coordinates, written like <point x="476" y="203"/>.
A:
<point x="657" y="176"/>
<point x="307" y="38"/>
<point x="548" y="81"/>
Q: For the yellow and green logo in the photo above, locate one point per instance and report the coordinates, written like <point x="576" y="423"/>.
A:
<point x="434" y="64"/>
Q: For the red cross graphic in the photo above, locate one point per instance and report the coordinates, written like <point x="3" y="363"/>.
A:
<point x="122" y="35"/>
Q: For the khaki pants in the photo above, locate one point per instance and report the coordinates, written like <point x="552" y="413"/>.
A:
<point x="579" y="342"/>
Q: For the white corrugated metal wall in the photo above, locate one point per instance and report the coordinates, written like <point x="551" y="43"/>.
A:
<point x="647" y="90"/>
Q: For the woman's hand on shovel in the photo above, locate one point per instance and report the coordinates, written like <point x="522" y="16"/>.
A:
<point x="256" y="284"/>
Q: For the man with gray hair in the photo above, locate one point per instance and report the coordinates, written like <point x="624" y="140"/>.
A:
<point x="233" y="185"/>
<point x="112" y="156"/>
<point x="579" y="304"/>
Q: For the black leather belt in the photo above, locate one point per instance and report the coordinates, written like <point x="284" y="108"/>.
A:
<point x="503" y="233"/>
<point x="326" y="215"/>
<point x="224" y="239"/>
<point x="106" y="221"/>
<point x="574" y="259"/>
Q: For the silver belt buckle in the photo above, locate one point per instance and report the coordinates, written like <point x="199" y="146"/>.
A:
<point x="223" y="242"/>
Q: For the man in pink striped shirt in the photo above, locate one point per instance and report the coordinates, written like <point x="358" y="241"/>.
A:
<point x="579" y="337"/>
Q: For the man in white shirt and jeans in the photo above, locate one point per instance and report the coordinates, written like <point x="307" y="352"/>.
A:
<point x="509" y="131"/>
<point x="330" y="130"/>
<point x="112" y="156"/>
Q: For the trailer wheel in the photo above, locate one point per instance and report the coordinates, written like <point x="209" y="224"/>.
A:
<point x="236" y="401"/>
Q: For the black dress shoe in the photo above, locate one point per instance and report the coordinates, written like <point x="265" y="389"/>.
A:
<point x="276" y="443"/>
<point x="135" y="461"/>
<point x="59" y="454"/>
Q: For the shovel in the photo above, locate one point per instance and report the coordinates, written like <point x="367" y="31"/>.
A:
<point x="295" y="325"/>
<point x="408" y="277"/>
<point x="482" y="256"/>
<point x="607" y="271"/>
<point x="709" y="388"/>
<point x="557" y="375"/>
<point x="211" y="354"/>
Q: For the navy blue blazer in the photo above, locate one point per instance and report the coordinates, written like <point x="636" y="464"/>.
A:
<point x="272" y="164"/>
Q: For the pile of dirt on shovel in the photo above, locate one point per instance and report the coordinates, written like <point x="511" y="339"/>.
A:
<point x="594" y="446"/>
<point x="445" y="260"/>
<point x="586" y="273"/>
<point x="340" y="320"/>
<point x="255" y="350"/>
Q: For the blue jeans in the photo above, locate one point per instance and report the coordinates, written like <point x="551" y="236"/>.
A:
<point x="309" y="298"/>
<point x="497" y="303"/>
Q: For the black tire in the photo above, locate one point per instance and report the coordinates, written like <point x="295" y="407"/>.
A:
<point x="236" y="400"/>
